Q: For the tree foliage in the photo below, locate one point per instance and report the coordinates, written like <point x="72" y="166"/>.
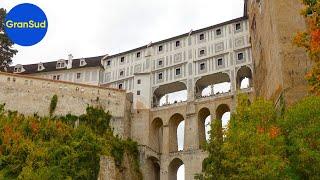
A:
<point x="310" y="40"/>
<point x="52" y="148"/>
<point x="53" y="104"/>
<point x="6" y="50"/>
<point x="261" y="145"/>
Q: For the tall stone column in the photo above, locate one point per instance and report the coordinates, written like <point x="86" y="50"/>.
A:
<point x="233" y="80"/>
<point x="191" y="139"/>
<point x="190" y="90"/>
<point x="166" y="140"/>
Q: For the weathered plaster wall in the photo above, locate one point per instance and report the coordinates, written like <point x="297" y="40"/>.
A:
<point x="29" y="95"/>
<point x="279" y="66"/>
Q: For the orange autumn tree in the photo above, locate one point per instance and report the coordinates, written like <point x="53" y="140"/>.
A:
<point x="310" y="40"/>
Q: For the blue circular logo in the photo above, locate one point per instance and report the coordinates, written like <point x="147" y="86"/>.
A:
<point x="26" y="24"/>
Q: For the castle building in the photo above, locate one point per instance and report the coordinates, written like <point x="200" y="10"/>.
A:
<point x="84" y="70"/>
<point x="256" y="47"/>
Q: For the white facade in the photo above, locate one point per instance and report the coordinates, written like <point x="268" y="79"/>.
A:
<point x="223" y="48"/>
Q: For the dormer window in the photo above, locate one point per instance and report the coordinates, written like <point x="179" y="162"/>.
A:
<point x="18" y="68"/>
<point x="108" y="62"/>
<point x="82" y="62"/>
<point x="60" y="64"/>
<point x="40" y="67"/>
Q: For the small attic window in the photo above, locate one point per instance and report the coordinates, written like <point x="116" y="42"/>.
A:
<point x="82" y="62"/>
<point x="17" y="68"/>
<point x="40" y="67"/>
<point x="60" y="64"/>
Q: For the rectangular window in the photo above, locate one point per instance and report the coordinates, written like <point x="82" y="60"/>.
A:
<point x="78" y="75"/>
<point x="120" y="86"/>
<point x="108" y="63"/>
<point x="178" y="71"/>
<point x="202" y="66"/>
<point x="177" y="43"/>
<point x="238" y="26"/>
<point x="160" y="48"/>
<point x="121" y="73"/>
<point x="58" y="77"/>
<point x="160" y="76"/>
<point x="160" y="62"/>
<point x="122" y="59"/>
<point x="54" y="77"/>
<point x="202" y="52"/>
<point x="201" y="37"/>
<point x="240" y="56"/>
<point x="138" y="93"/>
<point x="139" y="81"/>
<point x="220" y="62"/>
<point x="218" y="32"/>
<point x="138" y="54"/>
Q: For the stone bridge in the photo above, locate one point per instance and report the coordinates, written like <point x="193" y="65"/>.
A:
<point x="159" y="154"/>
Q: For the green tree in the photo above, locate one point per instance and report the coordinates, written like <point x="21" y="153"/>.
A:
<point x="253" y="147"/>
<point x="6" y="50"/>
<point x="301" y="125"/>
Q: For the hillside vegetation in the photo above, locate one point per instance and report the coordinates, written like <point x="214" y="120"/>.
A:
<point x="33" y="147"/>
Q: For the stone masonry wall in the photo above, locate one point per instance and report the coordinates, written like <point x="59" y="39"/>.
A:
<point x="29" y="95"/>
<point x="279" y="66"/>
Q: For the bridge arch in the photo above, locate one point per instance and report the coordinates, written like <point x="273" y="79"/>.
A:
<point x="174" y="121"/>
<point x="153" y="168"/>
<point x="222" y="111"/>
<point x="156" y="134"/>
<point x="210" y="82"/>
<point x="204" y="119"/>
<point x="163" y="91"/>
<point x="174" y="165"/>
<point x="244" y="74"/>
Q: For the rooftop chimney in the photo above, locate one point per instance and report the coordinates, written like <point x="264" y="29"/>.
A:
<point x="70" y="57"/>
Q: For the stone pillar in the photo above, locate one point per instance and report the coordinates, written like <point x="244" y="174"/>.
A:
<point x="190" y="90"/>
<point x="164" y="174"/>
<point x="233" y="80"/>
<point x="191" y="139"/>
<point x="165" y="139"/>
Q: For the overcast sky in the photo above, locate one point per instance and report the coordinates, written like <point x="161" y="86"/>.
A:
<point x="99" y="27"/>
